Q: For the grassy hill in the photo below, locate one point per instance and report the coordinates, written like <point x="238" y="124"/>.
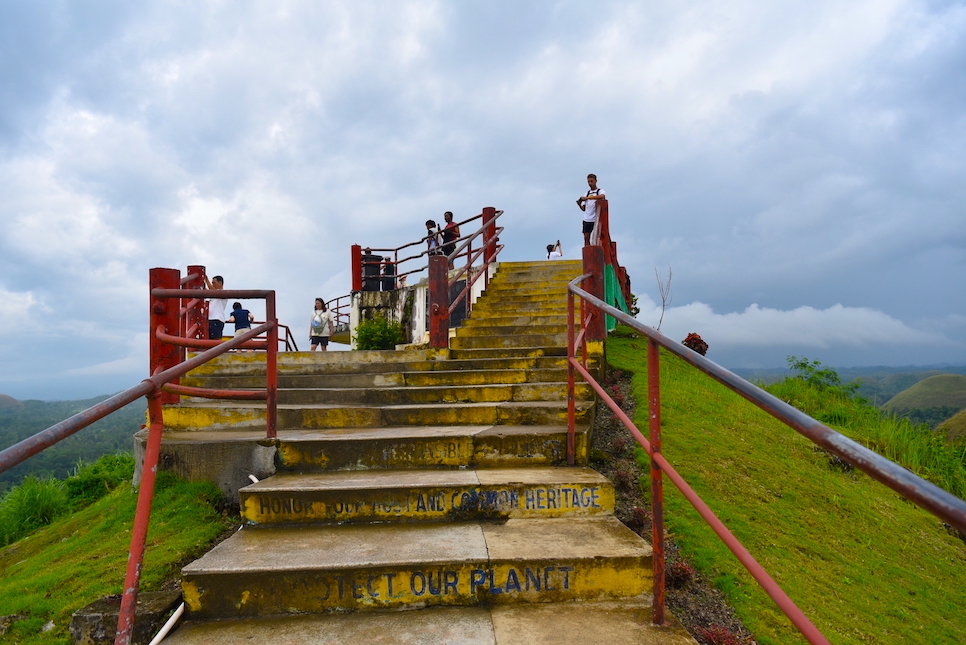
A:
<point x="931" y="400"/>
<point x="865" y="565"/>
<point x="107" y="436"/>
<point x="876" y="384"/>
<point x="941" y="390"/>
<point x="955" y="428"/>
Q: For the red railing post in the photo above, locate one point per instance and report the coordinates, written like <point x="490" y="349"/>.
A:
<point x="594" y="285"/>
<point x="489" y="241"/>
<point x="357" y="267"/>
<point x="571" y="399"/>
<point x="164" y="313"/>
<point x="438" y="301"/>
<point x="657" y="485"/>
<point x="196" y="316"/>
<point x="271" y="369"/>
<point x="142" y="517"/>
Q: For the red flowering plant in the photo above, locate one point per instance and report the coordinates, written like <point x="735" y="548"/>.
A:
<point x="693" y="341"/>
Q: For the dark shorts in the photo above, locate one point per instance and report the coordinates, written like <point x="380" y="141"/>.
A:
<point x="448" y="249"/>
<point x="320" y="340"/>
<point x="589" y="227"/>
<point x="215" y="329"/>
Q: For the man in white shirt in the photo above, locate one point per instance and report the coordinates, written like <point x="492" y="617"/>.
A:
<point x="216" y="308"/>
<point x="588" y="204"/>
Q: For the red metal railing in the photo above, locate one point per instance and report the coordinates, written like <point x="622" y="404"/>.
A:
<point x="440" y="307"/>
<point x="947" y="507"/>
<point x="181" y="311"/>
<point x="371" y="271"/>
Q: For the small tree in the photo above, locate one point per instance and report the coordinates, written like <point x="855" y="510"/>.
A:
<point x="664" y="288"/>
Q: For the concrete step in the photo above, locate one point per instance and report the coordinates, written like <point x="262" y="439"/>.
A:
<point x="496" y="329"/>
<point x="408" y="447"/>
<point x="427" y="495"/>
<point x="626" y="622"/>
<point x="318" y="569"/>
<point x="226" y="415"/>
<point x="509" y="352"/>
<point x="515" y="320"/>
<point x="516" y="297"/>
<point x="500" y="288"/>
<point x="478" y="376"/>
<point x="531" y="358"/>
<point x="508" y="307"/>
<point x="519" y="340"/>
<point x="410" y="395"/>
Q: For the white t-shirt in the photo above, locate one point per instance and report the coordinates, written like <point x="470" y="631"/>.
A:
<point x="590" y="206"/>
<point x="216" y="308"/>
<point x="553" y="255"/>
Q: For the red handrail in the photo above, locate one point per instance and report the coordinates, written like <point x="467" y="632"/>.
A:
<point x="947" y="507"/>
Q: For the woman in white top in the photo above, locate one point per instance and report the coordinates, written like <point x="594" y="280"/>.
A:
<point x="321" y="326"/>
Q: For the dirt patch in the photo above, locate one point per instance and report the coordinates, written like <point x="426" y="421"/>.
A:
<point x="699" y="606"/>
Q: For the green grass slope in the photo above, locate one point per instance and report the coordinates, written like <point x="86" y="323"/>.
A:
<point x="55" y="571"/>
<point x="863" y="564"/>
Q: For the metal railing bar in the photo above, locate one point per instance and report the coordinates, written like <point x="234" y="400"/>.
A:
<point x="23" y="450"/>
<point x="181" y="341"/>
<point x="207" y="393"/>
<point x="768" y="584"/>
<point x="925" y="494"/>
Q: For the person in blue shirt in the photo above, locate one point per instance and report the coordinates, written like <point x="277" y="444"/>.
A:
<point x="241" y="317"/>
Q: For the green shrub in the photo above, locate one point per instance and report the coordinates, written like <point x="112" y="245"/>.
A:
<point x="31" y="505"/>
<point x="378" y="333"/>
<point x="90" y="482"/>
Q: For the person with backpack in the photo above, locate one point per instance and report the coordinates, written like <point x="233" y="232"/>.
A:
<point x="321" y="326"/>
<point x="588" y="204"/>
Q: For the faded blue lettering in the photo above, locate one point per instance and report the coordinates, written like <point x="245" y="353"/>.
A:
<point x="417" y="575"/>
<point x="532" y="578"/>
<point x="450" y="581"/>
<point x="512" y="581"/>
<point x="546" y="579"/>
<point x="566" y="572"/>
<point x="477" y="579"/>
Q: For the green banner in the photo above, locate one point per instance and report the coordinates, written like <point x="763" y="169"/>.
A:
<point x="613" y="295"/>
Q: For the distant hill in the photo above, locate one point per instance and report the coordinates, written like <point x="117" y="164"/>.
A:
<point x="942" y="390"/>
<point x="931" y="400"/>
<point x="9" y="402"/>
<point x="955" y="427"/>
<point x="877" y="384"/>
<point x="109" y="435"/>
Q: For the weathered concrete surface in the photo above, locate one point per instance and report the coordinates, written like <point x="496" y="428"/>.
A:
<point x="427" y="495"/>
<point x="240" y="416"/>
<point x="96" y="624"/>
<point x="210" y="456"/>
<point x="443" y="446"/>
<point x="316" y="569"/>
<point x="576" y="623"/>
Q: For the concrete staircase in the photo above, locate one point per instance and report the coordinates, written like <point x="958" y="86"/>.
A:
<point x="418" y="480"/>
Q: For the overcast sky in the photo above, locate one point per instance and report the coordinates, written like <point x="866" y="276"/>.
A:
<point x="800" y="165"/>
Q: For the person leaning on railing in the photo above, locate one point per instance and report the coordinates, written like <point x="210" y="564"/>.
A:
<point x="216" y="309"/>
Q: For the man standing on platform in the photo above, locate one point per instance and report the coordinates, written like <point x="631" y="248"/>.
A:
<point x="588" y="204"/>
<point x="216" y="308"/>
